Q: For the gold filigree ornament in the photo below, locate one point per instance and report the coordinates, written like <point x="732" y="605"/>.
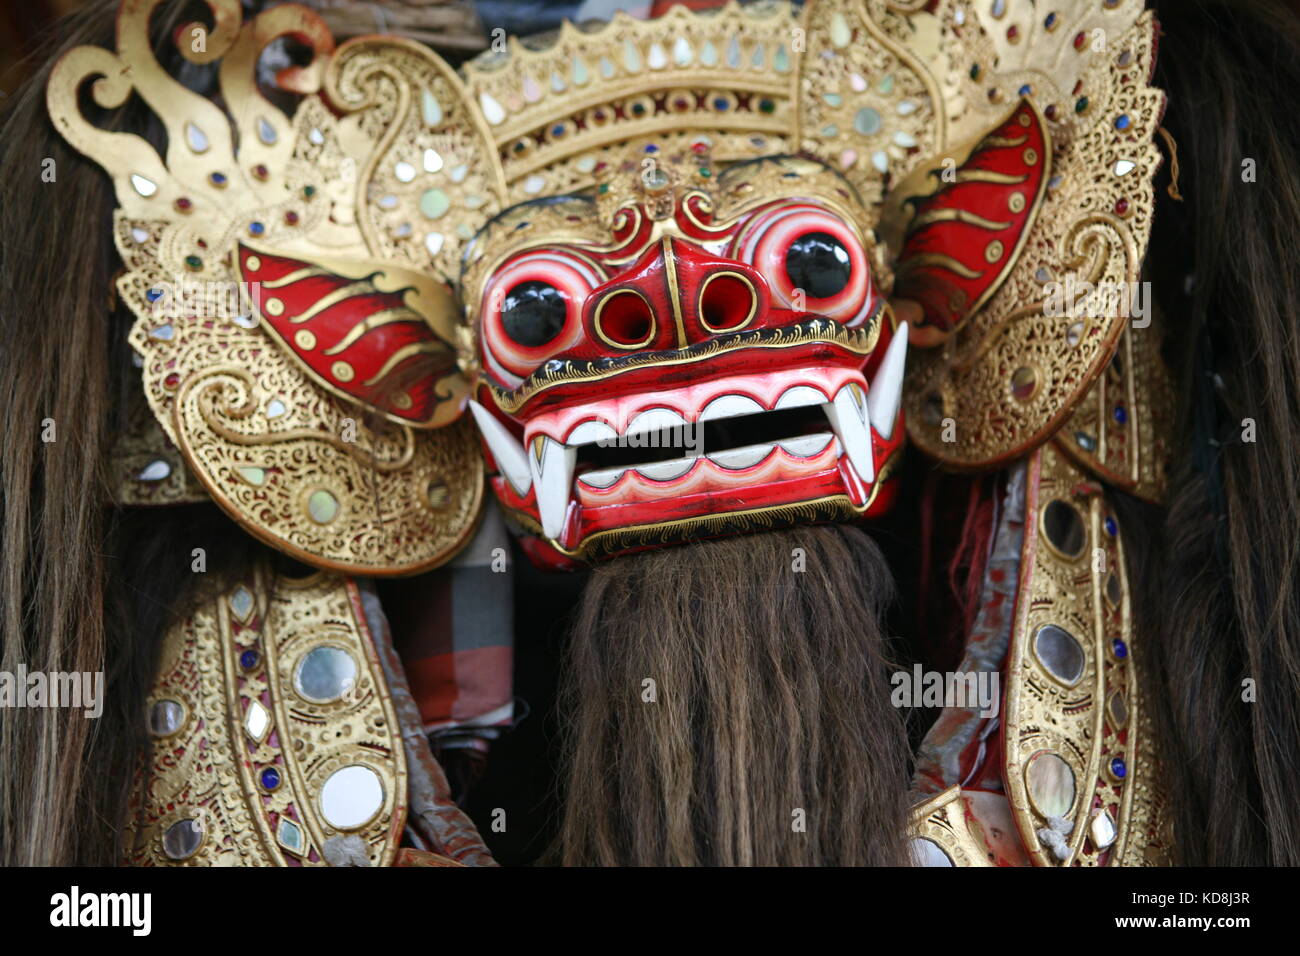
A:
<point x="337" y="481"/>
<point x="1082" y="765"/>
<point x="941" y="833"/>
<point x="1119" y="432"/>
<point x="274" y="734"/>
<point x="1011" y="375"/>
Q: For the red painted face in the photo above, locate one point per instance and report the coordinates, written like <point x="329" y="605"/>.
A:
<point x="687" y="364"/>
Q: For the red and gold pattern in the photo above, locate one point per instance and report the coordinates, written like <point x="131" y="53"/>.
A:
<point x="245" y="753"/>
<point x="966" y="236"/>
<point x="365" y="334"/>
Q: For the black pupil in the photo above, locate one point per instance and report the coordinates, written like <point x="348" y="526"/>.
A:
<point x="533" y="313"/>
<point x="819" y="264"/>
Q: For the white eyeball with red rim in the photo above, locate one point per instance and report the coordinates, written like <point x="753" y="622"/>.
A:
<point x="812" y="259"/>
<point x="532" y="309"/>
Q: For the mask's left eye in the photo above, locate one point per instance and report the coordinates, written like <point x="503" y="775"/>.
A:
<point x="813" y="260"/>
<point x="819" y="263"/>
<point x="532" y="309"/>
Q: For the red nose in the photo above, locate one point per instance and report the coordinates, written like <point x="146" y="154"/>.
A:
<point x="675" y="295"/>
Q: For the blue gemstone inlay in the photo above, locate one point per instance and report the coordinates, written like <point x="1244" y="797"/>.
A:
<point x="1119" y="648"/>
<point x="557" y="130"/>
<point x="153" y="295"/>
<point x="270" y="778"/>
<point x="249" y="659"/>
<point x="1118" y="767"/>
<point x="1050" y="21"/>
<point x="721" y="105"/>
<point x="218" y="179"/>
<point x="1121" y="414"/>
<point x="256" y="228"/>
<point x="652" y="148"/>
<point x="1122" y="121"/>
<point x="1026" y="90"/>
<point x="1112" y="528"/>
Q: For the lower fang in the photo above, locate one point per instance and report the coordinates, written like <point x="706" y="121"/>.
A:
<point x="853" y="483"/>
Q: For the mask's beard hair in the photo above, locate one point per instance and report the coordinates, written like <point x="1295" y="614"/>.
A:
<point x="770" y="739"/>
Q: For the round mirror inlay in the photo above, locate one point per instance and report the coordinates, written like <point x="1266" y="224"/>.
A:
<point x="166" y="717"/>
<point x="1063" y="528"/>
<point x="322" y="506"/>
<point x="1050" y="782"/>
<point x="182" y="839"/>
<point x="325" y="674"/>
<point x="1060" y="654"/>
<point x="1024" y="381"/>
<point x="351" y="797"/>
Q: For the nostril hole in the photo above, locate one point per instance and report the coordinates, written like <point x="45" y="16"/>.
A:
<point x="727" y="302"/>
<point x="624" y="320"/>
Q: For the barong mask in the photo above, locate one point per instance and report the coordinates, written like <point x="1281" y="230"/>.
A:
<point x="669" y="268"/>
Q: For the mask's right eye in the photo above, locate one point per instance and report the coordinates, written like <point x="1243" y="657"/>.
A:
<point x="533" y="313"/>
<point x="532" y="309"/>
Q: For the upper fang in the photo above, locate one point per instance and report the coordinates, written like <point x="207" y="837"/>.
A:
<point x="887" y="388"/>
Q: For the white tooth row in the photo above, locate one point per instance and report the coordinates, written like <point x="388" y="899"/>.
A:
<point x="549" y="465"/>
<point x="733" y="459"/>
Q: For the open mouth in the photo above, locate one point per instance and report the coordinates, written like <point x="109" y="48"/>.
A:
<point x="708" y="443"/>
<point x="734" y="443"/>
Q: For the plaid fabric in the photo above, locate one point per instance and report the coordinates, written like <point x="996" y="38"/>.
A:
<point x="454" y="631"/>
<point x="434" y="824"/>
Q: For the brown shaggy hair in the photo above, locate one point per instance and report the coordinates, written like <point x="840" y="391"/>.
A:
<point x="1223" y="601"/>
<point x="83" y="586"/>
<point x="716" y="696"/>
